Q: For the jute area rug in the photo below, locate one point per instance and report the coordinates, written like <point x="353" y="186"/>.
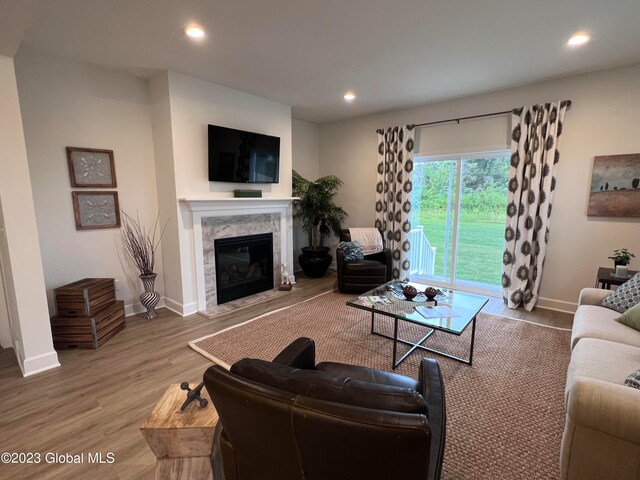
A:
<point x="505" y="414"/>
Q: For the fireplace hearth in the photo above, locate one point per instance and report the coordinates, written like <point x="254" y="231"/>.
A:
<point x="244" y="266"/>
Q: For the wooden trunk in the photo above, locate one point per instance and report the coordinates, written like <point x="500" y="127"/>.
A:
<point x="85" y="297"/>
<point x="88" y="332"/>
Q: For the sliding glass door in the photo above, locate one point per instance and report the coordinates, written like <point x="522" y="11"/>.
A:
<point x="458" y="218"/>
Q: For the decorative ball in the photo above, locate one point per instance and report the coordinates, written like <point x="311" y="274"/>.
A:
<point x="430" y="293"/>
<point x="409" y="292"/>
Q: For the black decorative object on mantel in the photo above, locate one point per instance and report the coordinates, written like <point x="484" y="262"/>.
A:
<point x="193" y="395"/>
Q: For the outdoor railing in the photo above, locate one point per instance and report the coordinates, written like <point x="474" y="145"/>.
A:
<point x="422" y="255"/>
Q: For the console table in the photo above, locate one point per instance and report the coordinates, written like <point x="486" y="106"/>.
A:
<point x="605" y="280"/>
<point x="181" y="441"/>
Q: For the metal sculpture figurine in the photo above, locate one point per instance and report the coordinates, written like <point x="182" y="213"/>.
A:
<point x="193" y="395"/>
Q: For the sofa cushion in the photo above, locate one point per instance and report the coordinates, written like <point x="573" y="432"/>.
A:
<point x="352" y="251"/>
<point x="591" y="321"/>
<point x="602" y="360"/>
<point x="631" y="318"/>
<point x="332" y="388"/>
<point x="626" y="296"/>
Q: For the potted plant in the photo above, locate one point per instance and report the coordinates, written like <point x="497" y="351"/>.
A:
<point x="621" y="256"/>
<point x="320" y="217"/>
<point x="141" y="246"/>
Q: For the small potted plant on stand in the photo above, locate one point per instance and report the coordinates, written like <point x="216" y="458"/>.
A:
<point x="621" y="258"/>
<point x="320" y="216"/>
<point x="141" y="246"/>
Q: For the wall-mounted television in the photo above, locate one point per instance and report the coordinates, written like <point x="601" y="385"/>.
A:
<point x="243" y="157"/>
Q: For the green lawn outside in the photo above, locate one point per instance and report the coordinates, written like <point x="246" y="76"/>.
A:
<point x="480" y="247"/>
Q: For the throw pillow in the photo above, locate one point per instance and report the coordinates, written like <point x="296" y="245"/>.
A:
<point x="633" y="380"/>
<point x="352" y="251"/>
<point x="631" y="318"/>
<point x="626" y="296"/>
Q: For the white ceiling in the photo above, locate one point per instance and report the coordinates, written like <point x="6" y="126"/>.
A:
<point x="307" y="53"/>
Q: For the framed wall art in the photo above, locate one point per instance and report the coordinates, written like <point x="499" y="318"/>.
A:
<point x="615" y="186"/>
<point x="96" y="210"/>
<point x="91" y="168"/>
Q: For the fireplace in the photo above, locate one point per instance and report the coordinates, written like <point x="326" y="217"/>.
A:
<point x="244" y="266"/>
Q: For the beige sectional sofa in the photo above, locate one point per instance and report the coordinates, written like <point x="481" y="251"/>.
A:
<point x="601" y="438"/>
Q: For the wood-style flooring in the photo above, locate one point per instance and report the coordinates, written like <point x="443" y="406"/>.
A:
<point x="98" y="399"/>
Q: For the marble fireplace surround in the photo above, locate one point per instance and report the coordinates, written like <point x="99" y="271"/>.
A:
<point x="231" y="217"/>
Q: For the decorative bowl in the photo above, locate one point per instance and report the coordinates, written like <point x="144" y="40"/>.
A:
<point x="409" y="292"/>
<point x="430" y="293"/>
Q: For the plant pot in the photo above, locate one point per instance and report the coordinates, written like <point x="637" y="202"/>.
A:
<point x="315" y="261"/>
<point x="149" y="299"/>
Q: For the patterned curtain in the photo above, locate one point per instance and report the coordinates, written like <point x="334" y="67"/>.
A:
<point x="535" y="153"/>
<point x="393" y="189"/>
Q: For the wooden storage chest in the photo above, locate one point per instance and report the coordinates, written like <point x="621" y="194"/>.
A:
<point x="85" y="297"/>
<point x="90" y="331"/>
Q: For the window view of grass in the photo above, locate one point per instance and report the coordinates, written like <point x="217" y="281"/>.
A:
<point x="483" y="200"/>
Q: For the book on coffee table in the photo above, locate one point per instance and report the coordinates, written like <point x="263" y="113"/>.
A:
<point x="437" y="312"/>
<point x="371" y="300"/>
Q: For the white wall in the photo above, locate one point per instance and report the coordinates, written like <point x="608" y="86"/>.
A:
<point x="71" y="104"/>
<point x="166" y="188"/>
<point x="5" y="327"/>
<point x="194" y="104"/>
<point x="20" y="257"/>
<point x="306" y="161"/>
<point x="602" y="120"/>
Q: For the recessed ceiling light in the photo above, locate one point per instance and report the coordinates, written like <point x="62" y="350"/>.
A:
<point x="579" y="39"/>
<point x="349" y="97"/>
<point x="194" y="31"/>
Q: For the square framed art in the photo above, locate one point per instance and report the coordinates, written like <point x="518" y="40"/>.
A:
<point x="91" y="168"/>
<point x="615" y="186"/>
<point x="94" y="210"/>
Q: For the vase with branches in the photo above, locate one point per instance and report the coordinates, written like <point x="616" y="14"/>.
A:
<point x="141" y="245"/>
<point x="319" y="216"/>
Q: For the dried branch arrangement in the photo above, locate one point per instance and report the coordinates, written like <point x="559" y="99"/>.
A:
<point x="141" y="244"/>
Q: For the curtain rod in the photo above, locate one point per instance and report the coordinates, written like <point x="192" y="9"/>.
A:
<point x="457" y="120"/>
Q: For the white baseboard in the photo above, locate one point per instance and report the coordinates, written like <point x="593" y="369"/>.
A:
<point x="179" y="308"/>
<point x="557" y="305"/>
<point x="39" y="363"/>
<point x="165" y="302"/>
<point x="136" y="308"/>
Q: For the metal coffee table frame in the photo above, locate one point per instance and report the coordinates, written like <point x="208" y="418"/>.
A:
<point x="418" y="345"/>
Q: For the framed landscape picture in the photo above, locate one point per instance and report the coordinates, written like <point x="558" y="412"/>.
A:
<point x="615" y="186"/>
<point x="96" y="210"/>
<point x="91" y="168"/>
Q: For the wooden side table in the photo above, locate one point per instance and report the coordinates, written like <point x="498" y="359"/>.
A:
<point x="605" y="280"/>
<point x="181" y="441"/>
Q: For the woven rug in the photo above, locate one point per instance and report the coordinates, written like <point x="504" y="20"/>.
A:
<point x="505" y="414"/>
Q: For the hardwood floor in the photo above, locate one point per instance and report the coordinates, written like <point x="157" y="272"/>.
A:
<point x="98" y="399"/>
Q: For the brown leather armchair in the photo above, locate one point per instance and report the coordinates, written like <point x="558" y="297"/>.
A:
<point x="292" y="420"/>
<point x="362" y="275"/>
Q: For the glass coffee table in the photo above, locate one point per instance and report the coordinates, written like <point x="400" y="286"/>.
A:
<point x="453" y="313"/>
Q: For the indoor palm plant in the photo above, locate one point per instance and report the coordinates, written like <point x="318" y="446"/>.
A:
<point x="141" y="245"/>
<point x="320" y="217"/>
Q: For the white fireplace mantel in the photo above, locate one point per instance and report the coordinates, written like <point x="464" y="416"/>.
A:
<point x="203" y="207"/>
<point x="207" y="204"/>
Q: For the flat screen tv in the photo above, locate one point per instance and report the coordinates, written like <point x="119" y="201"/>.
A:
<point x="242" y="157"/>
